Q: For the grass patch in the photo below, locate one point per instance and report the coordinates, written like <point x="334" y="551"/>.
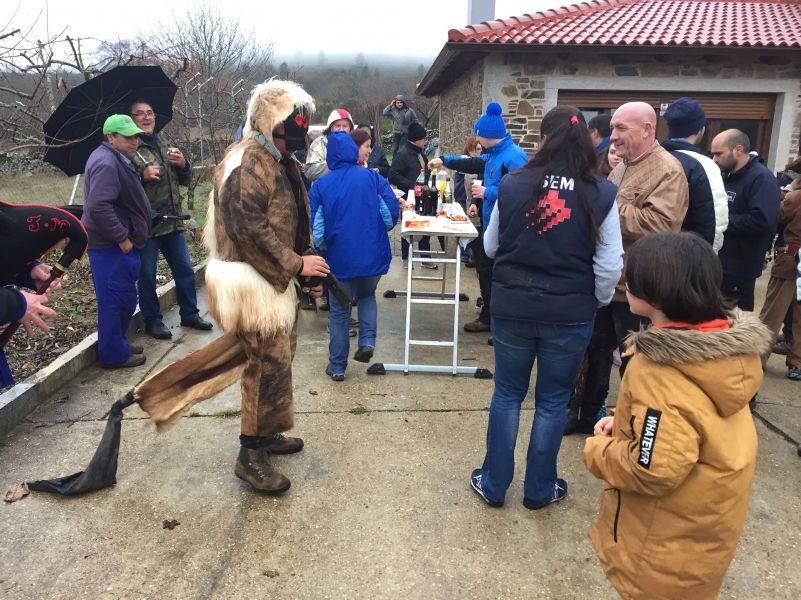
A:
<point x="358" y="410"/>
<point x="228" y="413"/>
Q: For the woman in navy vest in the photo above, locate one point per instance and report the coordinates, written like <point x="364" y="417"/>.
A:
<point x="555" y="237"/>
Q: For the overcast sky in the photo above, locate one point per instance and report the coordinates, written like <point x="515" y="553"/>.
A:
<point x="399" y="27"/>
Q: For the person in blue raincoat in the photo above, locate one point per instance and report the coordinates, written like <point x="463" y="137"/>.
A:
<point x="351" y="210"/>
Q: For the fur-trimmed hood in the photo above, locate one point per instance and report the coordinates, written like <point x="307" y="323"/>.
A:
<point x="270" y="103"/>
<point x="724" y="364"/>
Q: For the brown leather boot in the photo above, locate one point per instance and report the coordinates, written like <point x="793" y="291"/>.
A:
<point x="278" y="443"/>
<point x="254" y="467"/>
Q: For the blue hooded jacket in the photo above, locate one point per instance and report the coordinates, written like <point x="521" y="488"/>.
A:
<point x="500" y="159"/>
<point x="346" y="205"/>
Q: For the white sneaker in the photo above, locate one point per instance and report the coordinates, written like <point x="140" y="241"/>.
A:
<point x="406" y="264"/>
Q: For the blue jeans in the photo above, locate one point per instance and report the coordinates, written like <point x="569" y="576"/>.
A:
<point x="114" y="274"/>
<point x="173" y="247"/>
<point x="362" y="290"/>
<point x="558" y="350"/>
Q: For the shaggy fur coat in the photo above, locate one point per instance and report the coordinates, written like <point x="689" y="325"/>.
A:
<point x="256" y="230"/>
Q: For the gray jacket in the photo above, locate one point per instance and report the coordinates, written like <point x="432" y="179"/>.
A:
<point x="401" y="117"/>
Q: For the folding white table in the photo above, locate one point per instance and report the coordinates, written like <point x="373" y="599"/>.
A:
<point x="414" y="227"/>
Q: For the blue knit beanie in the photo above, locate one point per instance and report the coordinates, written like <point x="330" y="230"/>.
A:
<point x="684" y="117"/>
<point x="490" y="125"/>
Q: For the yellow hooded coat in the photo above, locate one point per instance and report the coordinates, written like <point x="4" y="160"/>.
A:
<point x="679" y="464"/>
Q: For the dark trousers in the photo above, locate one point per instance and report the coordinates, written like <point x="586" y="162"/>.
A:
<point x="625" y="322"/>
<point x="739" y="290"/>
<point x="591" y="393"/>
<point x="114" y="274"/>
<point x="424" y="244"/>
<point x="397" y="140"/>
<point x="484" y="271"/>
<point x="612" y="324"/>
<point x="175" y="251"/>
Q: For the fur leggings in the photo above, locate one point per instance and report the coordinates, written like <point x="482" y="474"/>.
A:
<point x="267" y="383"/>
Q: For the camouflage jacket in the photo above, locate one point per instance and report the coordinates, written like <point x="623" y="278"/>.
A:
<point x="164" y="195"/>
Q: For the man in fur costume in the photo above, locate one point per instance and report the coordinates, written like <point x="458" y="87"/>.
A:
<point x="257" y="231"/>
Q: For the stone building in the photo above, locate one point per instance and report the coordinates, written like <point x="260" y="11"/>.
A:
<point x="740" y="59"/>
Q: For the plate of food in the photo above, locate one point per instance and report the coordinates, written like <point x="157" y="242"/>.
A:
<point x="415" y="223"/>
<point x="458" y="218"/>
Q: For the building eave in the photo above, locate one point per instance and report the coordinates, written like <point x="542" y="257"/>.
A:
<point x="456" y="58"/>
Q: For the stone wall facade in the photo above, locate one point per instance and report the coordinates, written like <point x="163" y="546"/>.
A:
<point x="460" y="106"/>
<point x="521" y="83"/>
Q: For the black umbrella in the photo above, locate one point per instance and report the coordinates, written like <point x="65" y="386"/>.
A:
<point x="78" y="120"/>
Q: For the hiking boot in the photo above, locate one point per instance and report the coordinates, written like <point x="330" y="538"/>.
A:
<point x="794" y="373"/>
<point x="136" y="349"/>
<point x="158" y="331"/>
<point x="476" y="326"/>
<point x="253" y="466"/>
<point x="559" y="494"/>
<point x="135" y="360"/>
<point x="476" y="482"/>
<point x="780" y="346"/>
<point x="280" y="444"/>
<point x="363" y="354"/>
<point x="334" y="376"/>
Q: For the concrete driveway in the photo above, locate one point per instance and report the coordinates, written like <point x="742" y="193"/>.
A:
<point x="380" y="505"/>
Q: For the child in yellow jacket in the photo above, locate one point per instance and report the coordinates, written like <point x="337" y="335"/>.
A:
<point x="678" y="455"/>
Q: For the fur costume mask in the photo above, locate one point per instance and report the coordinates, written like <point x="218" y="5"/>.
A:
<point x="271" y="103"/>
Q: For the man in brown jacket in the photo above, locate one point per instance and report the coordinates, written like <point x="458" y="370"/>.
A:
<point x="652" y="196"/>
<point x="782" y="285"/>
<point x="257" y="231"/>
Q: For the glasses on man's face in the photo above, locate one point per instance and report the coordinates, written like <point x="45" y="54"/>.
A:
<point x="143" y="113"/>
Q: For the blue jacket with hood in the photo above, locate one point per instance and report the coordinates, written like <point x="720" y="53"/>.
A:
<point x="498" y="160"/>
<point x="346" y="205"/>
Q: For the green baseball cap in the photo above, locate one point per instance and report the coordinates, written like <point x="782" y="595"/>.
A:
<point x="122" y="124"/>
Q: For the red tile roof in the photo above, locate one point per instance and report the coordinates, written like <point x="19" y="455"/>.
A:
<point x="673" y="23"/>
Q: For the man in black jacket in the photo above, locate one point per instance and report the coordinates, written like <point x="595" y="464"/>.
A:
<point x="753" y="213"/>
<point x="405" y="169"/>
<point x="708" y="211"/>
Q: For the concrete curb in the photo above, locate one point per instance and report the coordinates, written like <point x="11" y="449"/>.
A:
<point x="18" y="402"/>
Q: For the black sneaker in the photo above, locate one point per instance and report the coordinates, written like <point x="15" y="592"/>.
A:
<point x="363" y="354"/>
<point x="559" y="494"/>
<point x="476" y="483"/>
<point x="334" y="376"/>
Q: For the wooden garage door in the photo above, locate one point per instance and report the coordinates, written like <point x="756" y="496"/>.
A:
<point x="753" y="113"/>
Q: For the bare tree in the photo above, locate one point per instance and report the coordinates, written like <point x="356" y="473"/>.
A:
<point x="216" y="62"/>
<point x="35" y="74"/>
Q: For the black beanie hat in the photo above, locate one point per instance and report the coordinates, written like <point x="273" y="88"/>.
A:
<point x="416" y="132"/>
